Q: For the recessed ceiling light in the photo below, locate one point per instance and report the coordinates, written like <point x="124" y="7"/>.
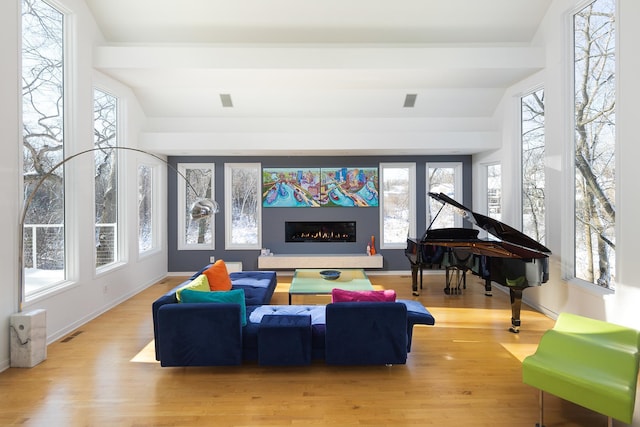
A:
<point x="225" y="98"/>
<point x="410" y="100"/>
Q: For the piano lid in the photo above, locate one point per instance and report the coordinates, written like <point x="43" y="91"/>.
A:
<point x="492" y="226"/>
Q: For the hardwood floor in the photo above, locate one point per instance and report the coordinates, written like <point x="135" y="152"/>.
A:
<point x="465" y="370"/>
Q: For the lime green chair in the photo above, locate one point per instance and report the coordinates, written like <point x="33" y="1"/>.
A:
<point x="588" y="362"/>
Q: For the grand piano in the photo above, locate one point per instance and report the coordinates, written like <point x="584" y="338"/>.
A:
<point x="514" y="260"/>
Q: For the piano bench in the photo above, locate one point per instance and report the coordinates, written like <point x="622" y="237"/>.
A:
<point x="589" y="362"/>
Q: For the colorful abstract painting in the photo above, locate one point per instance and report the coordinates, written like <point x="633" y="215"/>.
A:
<point x="320" y="187"/>
<point x="290" y="187"/>
<point x="349" y="187"/>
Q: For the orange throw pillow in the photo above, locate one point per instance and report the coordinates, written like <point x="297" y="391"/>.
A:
<point x="218" y="276"/>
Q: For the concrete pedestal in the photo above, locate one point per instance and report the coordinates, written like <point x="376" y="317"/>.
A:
<point x="28" y="338"/>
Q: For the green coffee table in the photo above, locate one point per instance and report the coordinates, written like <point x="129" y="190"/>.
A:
<point x="307" y="281"/>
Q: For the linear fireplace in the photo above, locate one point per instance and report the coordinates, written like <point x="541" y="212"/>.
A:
<point x="325" y="231"/>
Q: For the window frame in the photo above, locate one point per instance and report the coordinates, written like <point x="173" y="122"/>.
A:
<point x="457" y="184"/>
<point x="485" y="199"/>
<point x="568" y="247"/>
<point x="120" y="247"/>
<point x="228" y="202"/>
<point x="520" y="159"/>
<point x="156" y="238"/>
<point x="70" y="252"/>
<point x="181" y="186"/>
<point x="411" y="166"/>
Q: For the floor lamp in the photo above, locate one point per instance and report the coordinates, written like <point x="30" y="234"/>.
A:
<point x="28" y="330"/>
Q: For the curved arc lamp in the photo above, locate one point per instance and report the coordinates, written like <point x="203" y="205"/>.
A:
<point x="201" y="208"/>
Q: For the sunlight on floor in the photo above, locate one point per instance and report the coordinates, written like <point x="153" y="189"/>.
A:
<point x="146" y="355"/>
<point x="520" y="351"/>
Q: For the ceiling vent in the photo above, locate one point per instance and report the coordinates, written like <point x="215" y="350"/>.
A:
<point x="225" y="98"/>
<point x="410" y="100"/>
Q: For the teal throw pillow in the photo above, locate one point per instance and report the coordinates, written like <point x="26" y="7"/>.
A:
<point x="235" y="296"/>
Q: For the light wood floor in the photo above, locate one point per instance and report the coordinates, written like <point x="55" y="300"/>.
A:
<point x="465" y="370"/>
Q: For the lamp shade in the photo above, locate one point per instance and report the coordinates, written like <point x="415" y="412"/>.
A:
<point x="204" y="208"/>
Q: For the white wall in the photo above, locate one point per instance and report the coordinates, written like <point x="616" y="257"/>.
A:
<point x="10" y="90"/>
<point x="559" y="295"/>
<point x="85" y="299"/>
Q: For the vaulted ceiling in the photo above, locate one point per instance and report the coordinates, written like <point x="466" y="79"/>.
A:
<point x="319" y="77"/>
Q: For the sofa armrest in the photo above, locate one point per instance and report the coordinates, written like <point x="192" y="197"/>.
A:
<point x="366" y="333"/>
<point x="199" y="334"/>
<point x="169" y="298"/>
<point x="417" y="314"/>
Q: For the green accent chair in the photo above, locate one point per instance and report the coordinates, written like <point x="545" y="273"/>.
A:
<point x="589" y="362"/>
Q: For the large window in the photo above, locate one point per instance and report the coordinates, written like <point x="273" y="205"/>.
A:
<point x="242" y="194"/>
<point x="533" y="155"/>
<point x="43" y="108"/>
<point x="195" y="183"/>
<point x="595" y="147"/>
<point x="397" y="204"/>
<point x="444" y="178"/>
<point x="105" y="136"/>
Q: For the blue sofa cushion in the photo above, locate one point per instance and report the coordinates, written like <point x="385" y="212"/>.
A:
<point x="258" y="286"/>
<point x="366" y="333"/>
<point x="205" y="334"/>
<point x="284" y="340"/>
<point x="317" y="312"/>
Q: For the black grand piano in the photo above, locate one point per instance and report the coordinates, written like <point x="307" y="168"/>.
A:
<point x="514" y="260"/>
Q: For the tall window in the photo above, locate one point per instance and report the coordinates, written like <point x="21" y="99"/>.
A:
<point x="444" y="178"/>
<point x="595" y="147"/>
<point x="105" y="134"/>
<point x="397" y="204"/>
<point x="147" y="238"/>
<point x="494" y="191"/>
<point x="242" y="195"/>
<point x="533" y="177"/>
<point x="43" y="141"/>
<point x="196" y="183"/>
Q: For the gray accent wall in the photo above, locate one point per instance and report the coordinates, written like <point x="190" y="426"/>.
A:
<point x="273" y="219"/>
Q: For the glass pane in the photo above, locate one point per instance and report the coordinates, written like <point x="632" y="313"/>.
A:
<point x="245" y="203"/>
<point x="106" y="177"/>
<point x="595" y="84"/>
<point x="145" y="208"/>
<point x="533" y="176"/>
<point x="197" y="186"/>
<point x="396" y="204"/>
<point x="43" y="141"/>
<point x="441" y="180"/>
<point x="494" y="191"/>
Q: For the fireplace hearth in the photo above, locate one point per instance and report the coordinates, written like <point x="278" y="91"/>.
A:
<point x="325" y="231"/>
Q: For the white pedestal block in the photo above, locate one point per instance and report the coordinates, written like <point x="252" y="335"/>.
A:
<point x="28" y="338"/>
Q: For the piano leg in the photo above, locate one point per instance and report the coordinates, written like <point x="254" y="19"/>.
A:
<point x="414" y="279"/>
<point x="516" y="303"/>
<point x="457" y="274"/>
<point x="487" y="288"/>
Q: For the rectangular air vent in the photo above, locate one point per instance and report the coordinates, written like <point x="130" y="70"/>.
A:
<point x="410" y="100"/>
<point x="226" y="100"/>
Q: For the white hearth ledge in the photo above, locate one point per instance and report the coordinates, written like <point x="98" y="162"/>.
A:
<point x="293" y="261"/>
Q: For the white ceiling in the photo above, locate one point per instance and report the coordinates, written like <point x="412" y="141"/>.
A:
<point x="330" y="74"/>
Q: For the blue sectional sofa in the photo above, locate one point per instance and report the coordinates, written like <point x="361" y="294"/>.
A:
<point x="211" y="334"/>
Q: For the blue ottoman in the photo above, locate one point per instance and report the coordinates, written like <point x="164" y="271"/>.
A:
<point x="284" y="340"/>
